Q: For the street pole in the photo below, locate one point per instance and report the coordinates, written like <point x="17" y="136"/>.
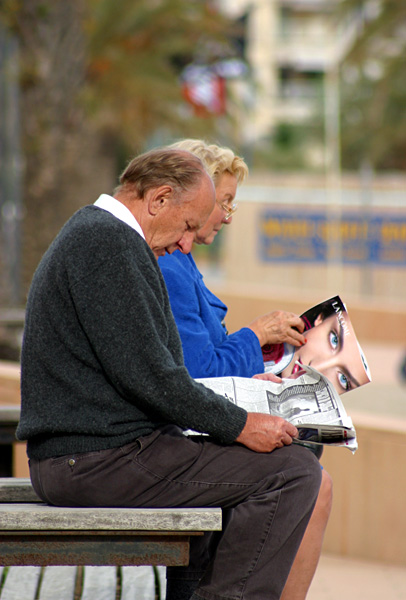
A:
<point x="333" y="177"/>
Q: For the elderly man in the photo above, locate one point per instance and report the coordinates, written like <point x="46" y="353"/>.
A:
<point x="106" y="396"/>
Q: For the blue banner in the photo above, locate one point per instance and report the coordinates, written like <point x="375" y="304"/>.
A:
<point x="315" y="237"/>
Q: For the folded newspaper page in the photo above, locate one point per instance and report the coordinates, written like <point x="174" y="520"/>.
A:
<point x="309" y="401"/>
<point x="331" y="347"/>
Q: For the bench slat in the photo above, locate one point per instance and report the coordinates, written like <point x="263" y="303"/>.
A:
<point x="41" y="517"/>
<point x="13" y="489"/>
<point x="9" y="413"/>
<point x="161" y="572"/>
<point x="89" y="549"/>
<point x="21" y="582"/>
<point x="100" y="583"/>
<point x="137" y="583"/>
<point x="58" y="583"/>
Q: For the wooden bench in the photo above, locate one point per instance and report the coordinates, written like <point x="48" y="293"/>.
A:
<point x="36" y="534"/>
<point x="9" y="417"/>
<point x="13" y="459"/>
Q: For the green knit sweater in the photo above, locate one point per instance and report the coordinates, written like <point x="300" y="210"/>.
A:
<point x="102" y="360"/>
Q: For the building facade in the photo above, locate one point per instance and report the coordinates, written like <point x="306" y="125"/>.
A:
<point x="290" y="46"/>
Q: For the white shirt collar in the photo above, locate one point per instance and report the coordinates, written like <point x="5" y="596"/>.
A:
<point x="118" y="210"/>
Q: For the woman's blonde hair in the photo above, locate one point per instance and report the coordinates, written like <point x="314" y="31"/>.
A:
<point x="217" y="159"/>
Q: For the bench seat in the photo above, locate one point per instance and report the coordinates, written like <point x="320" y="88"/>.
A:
<point x="38" y="516"/>
<point x="34" y="533"/>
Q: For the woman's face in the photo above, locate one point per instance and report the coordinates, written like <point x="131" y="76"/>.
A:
<point x="226" y="190"/>
<point x="331" y="348"/>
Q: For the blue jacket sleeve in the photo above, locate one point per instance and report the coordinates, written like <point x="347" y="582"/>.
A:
<point x="208" y="350"/>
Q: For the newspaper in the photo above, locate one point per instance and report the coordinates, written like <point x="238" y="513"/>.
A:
<point x="309" y="401"/>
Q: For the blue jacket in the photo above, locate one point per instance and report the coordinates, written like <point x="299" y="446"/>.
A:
<point x="199" y="315"/>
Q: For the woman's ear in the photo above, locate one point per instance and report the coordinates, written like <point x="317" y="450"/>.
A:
<point x="158" y="198"/>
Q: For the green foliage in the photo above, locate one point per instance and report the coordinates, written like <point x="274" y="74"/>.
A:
<point x="136" y="50"/>
<point x="374" y="87"/>
<point x="288" y="147"/>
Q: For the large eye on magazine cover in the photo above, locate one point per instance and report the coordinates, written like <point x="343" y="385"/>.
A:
<point x="331" y="348"/>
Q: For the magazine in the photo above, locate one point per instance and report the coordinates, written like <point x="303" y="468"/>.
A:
<point x="331" y="348"/>
<point x="314" y="377"/>
<point x="309" y="401"/>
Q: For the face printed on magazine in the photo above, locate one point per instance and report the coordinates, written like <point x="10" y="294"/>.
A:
<point x="332" y="348"/>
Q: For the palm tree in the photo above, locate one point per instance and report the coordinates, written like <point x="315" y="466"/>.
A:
<point x="374" y="87"/>
<point x="97" y="75"/>
<point x="136" y="53"/>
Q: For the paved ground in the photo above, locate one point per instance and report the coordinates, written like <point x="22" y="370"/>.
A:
<point x="338" y="578"/>
<point x="386" y="394"/>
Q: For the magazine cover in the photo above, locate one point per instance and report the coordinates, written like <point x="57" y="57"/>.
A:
<point x="331" y="348"/>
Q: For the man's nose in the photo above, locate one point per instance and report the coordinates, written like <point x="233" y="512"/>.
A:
<point x="186" y="242"/>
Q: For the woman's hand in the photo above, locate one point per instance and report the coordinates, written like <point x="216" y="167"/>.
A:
<point x="277" y="327"/>
<point x="268" y="377"/>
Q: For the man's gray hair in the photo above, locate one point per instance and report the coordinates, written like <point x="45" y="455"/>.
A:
<point x="163" y="166"/>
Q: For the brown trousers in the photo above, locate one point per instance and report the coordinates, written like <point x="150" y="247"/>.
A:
<point x="267" y="500"/>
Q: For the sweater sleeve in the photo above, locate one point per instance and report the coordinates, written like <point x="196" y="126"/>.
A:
<point x="208" y="350"/>
<point x="124" y="308"/>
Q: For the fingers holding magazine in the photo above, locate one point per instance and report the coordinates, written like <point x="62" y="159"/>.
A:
<point x="278" y="327"/>
<point x="264" y="433"/>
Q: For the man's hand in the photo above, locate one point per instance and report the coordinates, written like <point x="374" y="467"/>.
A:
<point x="264" y="433"/>
<point x="277" y="327"/>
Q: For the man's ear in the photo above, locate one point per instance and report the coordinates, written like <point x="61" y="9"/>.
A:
<point x="158" y="198"/>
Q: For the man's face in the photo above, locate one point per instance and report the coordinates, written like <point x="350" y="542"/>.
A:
<point x="175" y="225"/>
<point x="334" y="352"/>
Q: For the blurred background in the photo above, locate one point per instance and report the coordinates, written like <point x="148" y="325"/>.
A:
<point x="312" y="93"/>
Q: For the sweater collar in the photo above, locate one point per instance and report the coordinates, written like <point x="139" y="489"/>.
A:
<point x="118" y="210"/>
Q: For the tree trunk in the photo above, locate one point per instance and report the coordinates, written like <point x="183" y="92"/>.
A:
<point x="58" y="146"/>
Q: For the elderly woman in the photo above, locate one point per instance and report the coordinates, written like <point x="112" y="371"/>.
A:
<point x="210" y="351"/>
